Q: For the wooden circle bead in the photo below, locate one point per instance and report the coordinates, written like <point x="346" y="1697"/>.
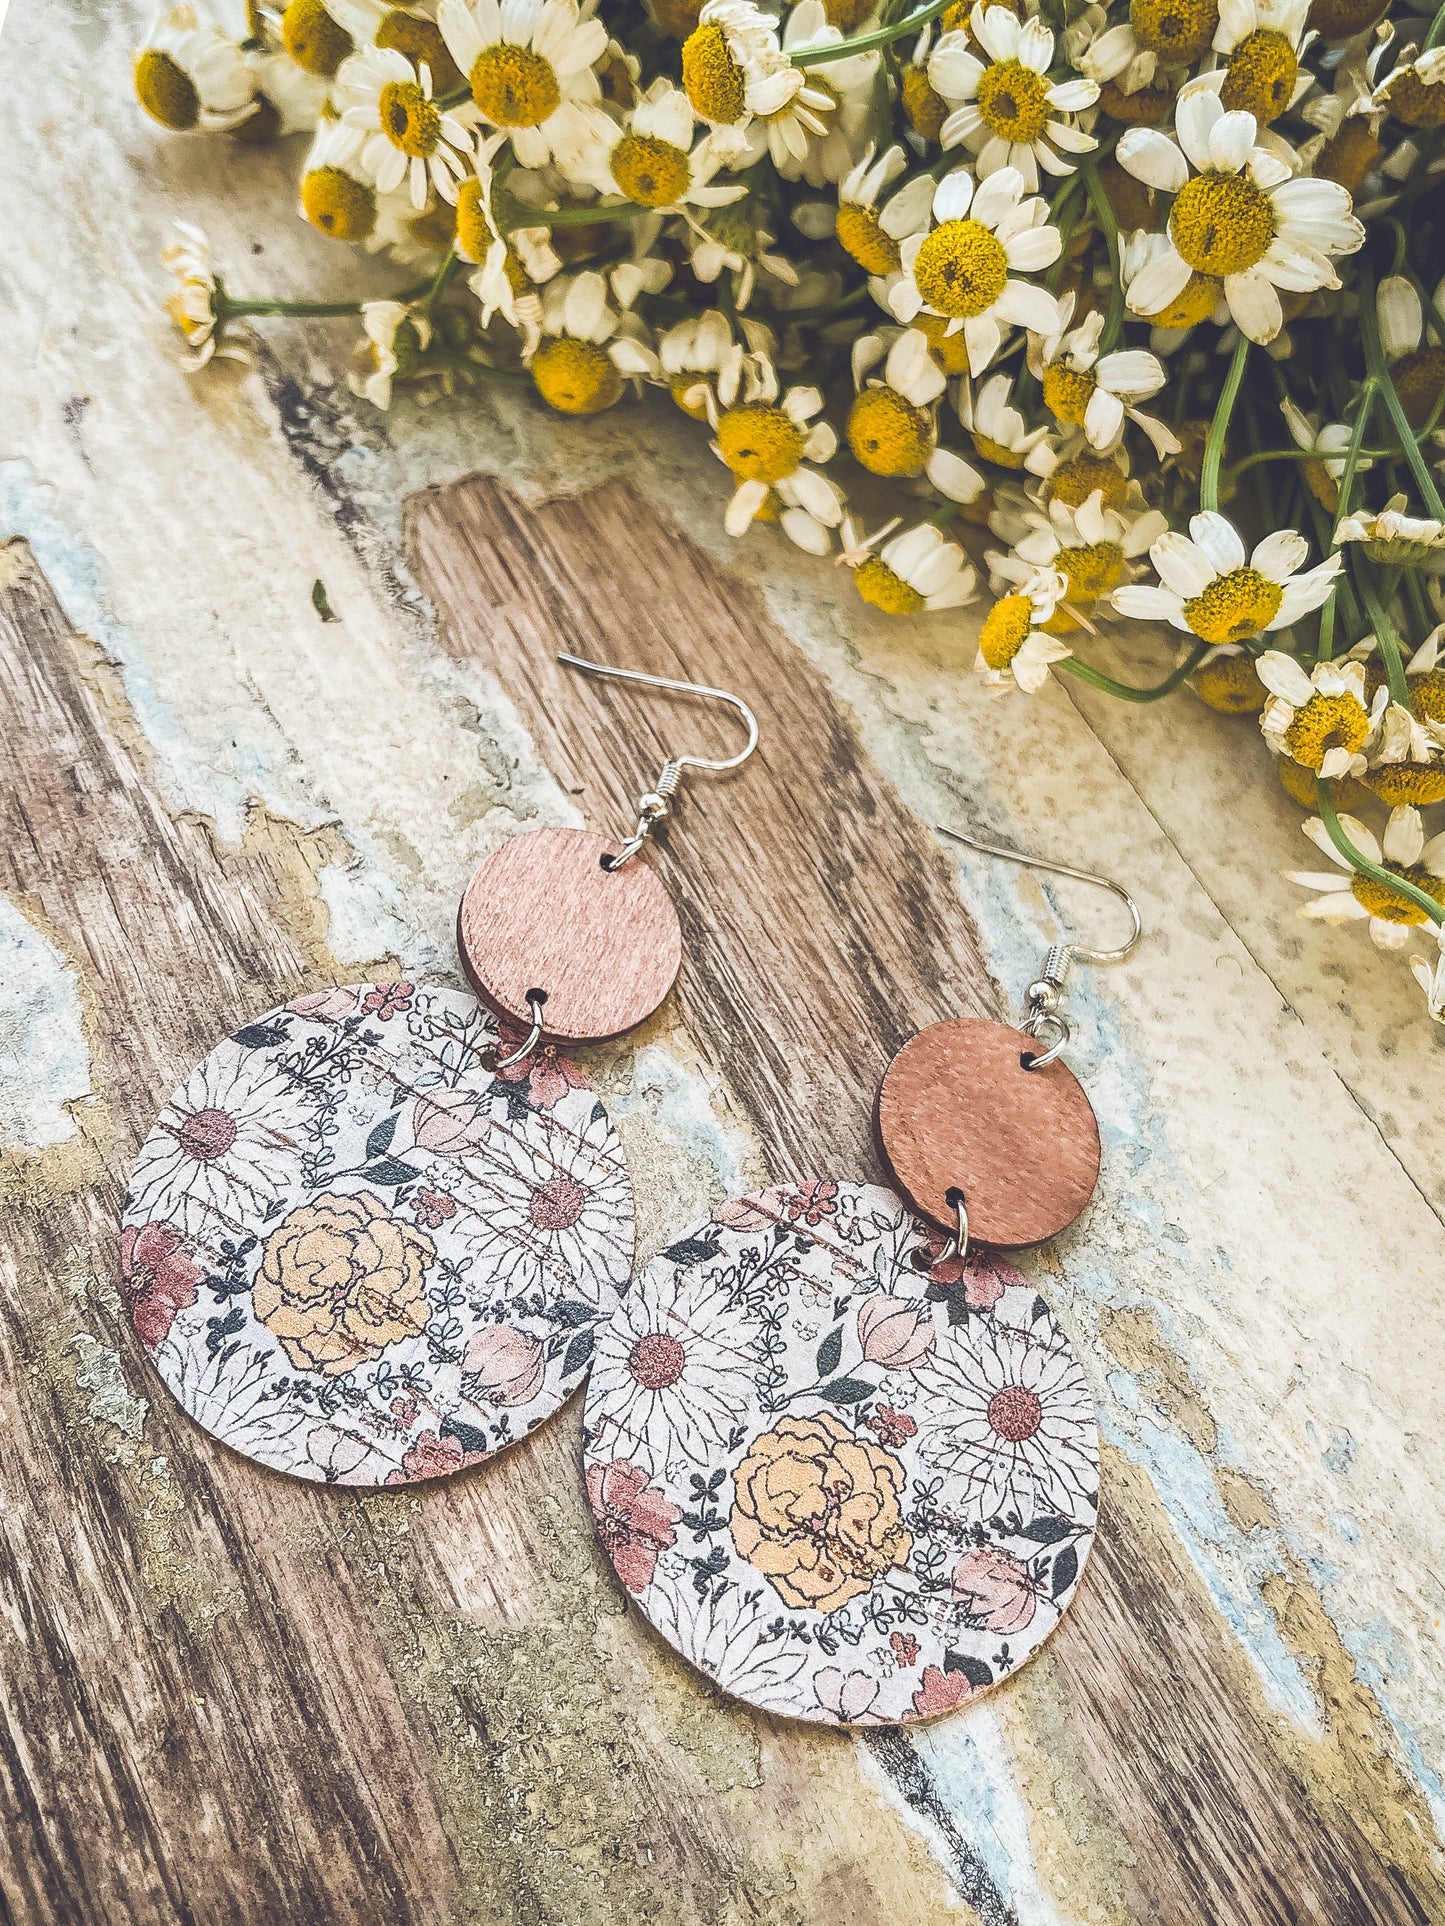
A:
<point x="958" y="1109"/>
<point x="542" y="913"/>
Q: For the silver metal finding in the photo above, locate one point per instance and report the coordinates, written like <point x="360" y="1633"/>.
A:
<point x="657" y="802"/>
<point x="1045" y="1017"/>
<point x="535" y="1000"/>
<point x="959" y="1241"/>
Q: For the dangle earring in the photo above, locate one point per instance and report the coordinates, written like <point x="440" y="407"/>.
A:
<point x="844" y="1460"/>
<point x="371" y="1239"/>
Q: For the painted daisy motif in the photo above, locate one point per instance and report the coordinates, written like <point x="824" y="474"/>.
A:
<point x="1013" y="1415"/>
<point x="919" y="570"/>
<point x="964" y="267"/>
<point x="191" y="76"/>
<point x="1240" y="215"/>
<point x="1010" y="115"/>
<point x="588" y="346"/>
<point x="1098" y="393"/>
<point x="676" y="1382"/>
<point x="406" y="136"/>
<point x="1015" y="650"/>
<point x="1349" y="897"/>
<point x="1319" y="720"/>
<point x="531" y="69"/>
<point x="1211" y="589"/>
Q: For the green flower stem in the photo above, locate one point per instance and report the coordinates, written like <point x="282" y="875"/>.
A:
<point x="1368" y="391"/>
<point x="1436" y="33"/>
<point x="1219" y="427"/>
<point x="1380" y="369"/>
<point x="1385" y="635"/>
<point x="1094" y="187"/>
<point x="866" y="42"/>
<point x="1399" y="884"/>
<point x="443" y="275"/>
<point x="513" y="215"/>
<point x="1125" y="691"/>
<point x="229" y="310"/>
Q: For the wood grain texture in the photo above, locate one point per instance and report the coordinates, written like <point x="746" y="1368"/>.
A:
<point x="541" y="913"/>
<point x="958" y="1109"/>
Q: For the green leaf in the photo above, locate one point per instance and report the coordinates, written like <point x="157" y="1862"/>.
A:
<point x="320" y="603"/>
<point x="379" y="1142"/>
<point x="690" y="1251"/>
<point x="847" y="1391"/>
<point x="830" y="1353"/>
<point x="572" y="1312"/>
<point x="390" y="1170"/>
<point x="578" y="1352"/>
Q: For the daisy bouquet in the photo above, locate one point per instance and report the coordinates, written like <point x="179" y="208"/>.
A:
<point x="1130" y="309"/>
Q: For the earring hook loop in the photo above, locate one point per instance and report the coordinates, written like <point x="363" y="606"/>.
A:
<point x="657" y="803"/>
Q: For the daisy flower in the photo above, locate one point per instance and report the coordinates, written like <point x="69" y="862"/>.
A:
<point x="1262" y="41"/>
<point x="1073" y="472"/>
<point x="850" y="84"/>
<point x="1200" y="299"/>
<point x="191" y="75"/>
<point x="963" y="266"/>
<point x="1430" y="975"/>
<point x="671" y="1379"/>
<point x="728" y="1639"/>
<point x="530" y="67"/>
<point x="382" y="23"/>
<point x="1397" y="540"/>
<point x="587" y="345"/>
<point x="1157" y="33"/>
<point x="735" y="71"/>
<point x="1083" y="389"/>
<point x="1092" y="547"/>
<point x="769" y="443"/>
<point x="1349" y="897"/>
<point x="1209" y="589"/>
<point x="700" y="352"/>
<point x="335" y="195"/>
<point x="1239" y="215"/>
<point x="920" y="570"/>
<point x="192" y="304"/>
<point x="510" y="267"/>
<point x="406" y="136"/>
<point x="1009" y="115"/>
<point x="861" y="229"/>
<point x="654" y="161"/>
<point x="733" y="245"/>
<point x="395" y="335"/>
<point x="1414" y="92"/>
<point x="892" y="426"/>
<point x="1014" y="647"/>
<point x="999" y="432"/>
<point x="1319" y="720"/>
<point x="1328" y="447"/>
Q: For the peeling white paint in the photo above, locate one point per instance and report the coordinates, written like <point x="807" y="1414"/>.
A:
<point x="111" y="1401"/>
<point x="44" y="1056"/>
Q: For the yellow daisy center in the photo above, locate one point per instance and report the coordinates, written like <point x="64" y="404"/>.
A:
<point x="1234" y="606"/>
<point x="1068" y="392"/>
<point x="575" y="377"/>
<point x="887" y="434"/>
<point x="436" y="228"/>
<point x="950" y="351"/>
<point x="878" y="584"/>
<point x="1179" y="31"/>
<point x="1419" y="379"/>
<point x="1014" y="100"/>
<point x="166" y="90"/>
<point x="474" y="236"/>
<point x="1259" y="76"/>
<point x="515" y="87"/>
<point x="1326" y="722"/>
<point x="1427" y="695"/>
<point x="1092" y="569"/>
<point x="862" y="235"/>
<point x="408" y="118"/>
<point x="1417" y="783"/>
<point x="1388" y="904"/>
<point x="926" y="110"/>
<point x="420" y="40"/>
<point x="1415" y="103"/>
<point x="313" y="39"/>
<point x="711" y="78"/>
<point x="961" y="269"/>
<point x="760" y="443"/>
<point x="1145" y="107"/>
<point x="1005" y="630"/>
<point x="340" y="206"/>
<point x="995" y="452"/>
<point x="1231" y="684"/>
<point x="651" y="172"/>
<point x="1072" y="482"/>
<point x="1221" y="223"/>
<point x="1298" y="783"/>
<point x="1343" y="19"/>
<point x="1194" y="303"/>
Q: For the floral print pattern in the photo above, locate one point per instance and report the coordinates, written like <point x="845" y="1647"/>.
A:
<point x="358" y="1253"/>
<point x="846" y="1487"/>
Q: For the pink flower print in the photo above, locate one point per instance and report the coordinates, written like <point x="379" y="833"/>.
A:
<point x="324" y="1006"/>
<point x="995" y="1589"/>
<point x="433" y="1207"/>
<point x="905" y="1649"/>
<point x="547" y="1074"/>
<point x="404" y="1410"/>
<point x="895" y="1332"/>
<point x="746" y="1213"/>
<point x="984" y="1279"/>
<point x="450" y="1123"/>
<point x="157" y="1279"/>
<point x="846" y="1695"/>
<point x="509" y="1365"/>
<point x="941" y="1692"/>
<point x="386" y="1000"/>
<point x="894" y="1428"/>
<point x="432" y="1457"/>
<point x="634" y="1522"/>
<point x="812" y="1201"/>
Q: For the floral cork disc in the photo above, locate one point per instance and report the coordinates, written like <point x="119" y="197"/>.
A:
<point x="849" y="1477"/>
<point x="359" y="1253"/>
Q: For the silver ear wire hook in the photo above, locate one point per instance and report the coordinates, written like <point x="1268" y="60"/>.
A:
<point x="1043" y="994"/>
<point x="657" y="803"/>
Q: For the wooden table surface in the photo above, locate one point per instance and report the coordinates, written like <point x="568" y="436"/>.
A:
<point x="228" y="1697"/>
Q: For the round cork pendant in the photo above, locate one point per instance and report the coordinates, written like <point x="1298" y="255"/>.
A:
<point x="848" y="1476"/>
<point x="958" y="1110"/>
<point x="359" y="1253"/>
<point x="544" y="914"/>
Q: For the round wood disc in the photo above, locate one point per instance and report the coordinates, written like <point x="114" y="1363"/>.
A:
<point x="846" y="1476"/>
<point x="541" y="913"/>
<point x="358" y="1253"/>
<point x="957" y="1109"/>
